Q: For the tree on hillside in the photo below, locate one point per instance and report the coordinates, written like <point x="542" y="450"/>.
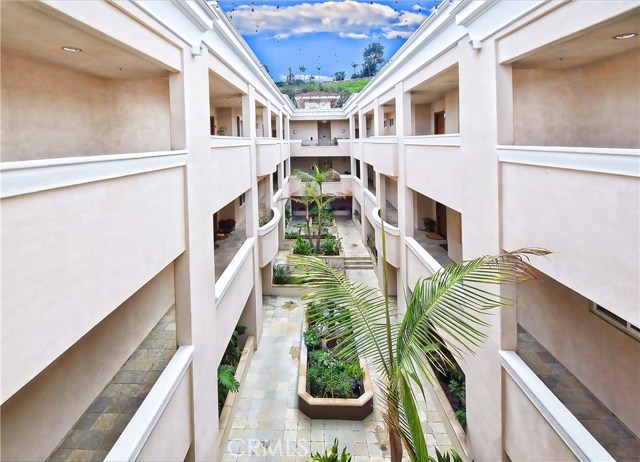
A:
<point x="290" y="76"/>
<point x="302" y="69"/>
<point x="373" y="56"/>
<point x="339" y="76"/>
<point x="355" y="66"/>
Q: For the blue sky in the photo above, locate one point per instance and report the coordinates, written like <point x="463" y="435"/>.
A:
<point x="320" y="33"/>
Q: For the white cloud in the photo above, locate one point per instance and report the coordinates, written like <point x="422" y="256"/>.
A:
<point x="349" y="19"/>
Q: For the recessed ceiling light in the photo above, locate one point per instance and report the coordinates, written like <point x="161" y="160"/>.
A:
<point x="72" y="49"/>
<point x="624" y="36"/>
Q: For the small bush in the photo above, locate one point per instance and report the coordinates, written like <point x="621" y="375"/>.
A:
<point x="330" y="246"/>
<point x="302" y="247"/>
<point x="312" y="339"/>
<point x="291" y="235"/>
<point x="282" y="274"/>
<point x="332" y="454"/>
<point x="331" y="377"/>
<point x="263" y="220"/>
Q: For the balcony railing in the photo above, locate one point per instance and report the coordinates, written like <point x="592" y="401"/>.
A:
<point x="580" y="442"/>
<point x="136" y="434"/>
<point x="30" y="176"/>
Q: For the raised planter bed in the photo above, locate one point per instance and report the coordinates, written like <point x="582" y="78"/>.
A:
<point x="333" y="408"/>
<point x="231" y="403"/>
<point x="456" y="433"/>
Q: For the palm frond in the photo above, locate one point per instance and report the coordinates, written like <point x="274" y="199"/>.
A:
<point x="362" y="309"/>
<point x="453" y="300"/>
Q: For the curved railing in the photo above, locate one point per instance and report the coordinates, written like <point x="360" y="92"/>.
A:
<point x="393" y="230"/>
<point x="275" y="219"/>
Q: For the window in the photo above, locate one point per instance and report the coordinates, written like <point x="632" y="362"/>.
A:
<point x="242" y="199"/>
<point x="616" y="320"/>
<point x="358" y="169"/>
<point x="385" y="123"/>
<point x="391" y="121"/>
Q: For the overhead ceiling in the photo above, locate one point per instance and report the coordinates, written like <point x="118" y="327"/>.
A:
<point x="35" y="34"/>
<point x="592" y="45"/>
<point x="435" y="88"/>
<point x="222" y="93"/>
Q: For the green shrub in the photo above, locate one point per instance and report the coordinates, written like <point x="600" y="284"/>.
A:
<point x="282" y="274"/>
<point x="331" y="377"/>
<point x="330" y="246"/>
<point x="332" y="454"/>
<point x="263" y="220"/>
<point x="312" y="339"/>
<point x="302" y="247"/>
<point x="446" y="457"/>
<point x="291" y="235"/>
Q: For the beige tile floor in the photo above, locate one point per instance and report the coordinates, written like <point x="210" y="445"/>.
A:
<point x="268" y="425"/>
<point x="95" y="433"/>
<point x="605" y="427"/>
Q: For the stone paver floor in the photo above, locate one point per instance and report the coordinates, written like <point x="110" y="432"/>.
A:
<point x="268" y="425"/>
<point x="227" y="248"/>
<point x="605" y="427"/>
<point x="100" y="426"/>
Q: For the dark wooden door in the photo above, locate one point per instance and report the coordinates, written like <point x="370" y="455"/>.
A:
<point x="212" y="125"/>
<point x="357" y="133"/>
<point x="441" y="219"/>
<point x="438" y="123"/>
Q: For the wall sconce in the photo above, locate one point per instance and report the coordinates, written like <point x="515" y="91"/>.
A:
<point x="342" y="131"/>
<point x="295" y="132"/>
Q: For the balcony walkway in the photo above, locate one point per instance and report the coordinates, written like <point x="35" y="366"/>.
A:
<point x="434" y="247"/>
<point x="101" y="425"/>
<point x="605" y="427"/>
<point x="227" y="248"/>
<point x="267" y="417"/>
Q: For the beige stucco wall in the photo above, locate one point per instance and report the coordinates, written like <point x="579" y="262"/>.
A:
<point x="603" y="358"/>
<point x="36" y="418"/>
<point x="70" y="256"/>
<point x="451" y="103"/>
<point x="336" y="129"/>
<point x="592" y="105"/>
<point x="528" y="437"/>
<point x="49" y="111"/>
<point x="590" y="220"/>
<point x="422" y="124"/>
<point x="304" y="130"/>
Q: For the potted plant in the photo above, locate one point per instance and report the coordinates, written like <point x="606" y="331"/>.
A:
<point x="227" y="225"/>
<point x="429" y="224"/>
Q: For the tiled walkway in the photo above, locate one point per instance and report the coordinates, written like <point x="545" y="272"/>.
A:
<point x="268" y="425"/>
<point x="605" y="427"/>
<point x="100" y="426"/>
<point x="227" y="248"/>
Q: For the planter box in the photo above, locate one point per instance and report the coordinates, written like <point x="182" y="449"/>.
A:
<point x="454" y="430"/>
<point x="231" y="403"/>
<point x="332" y="408"/>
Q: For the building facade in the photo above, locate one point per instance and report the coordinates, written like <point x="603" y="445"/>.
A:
<point x="134" y="134"/>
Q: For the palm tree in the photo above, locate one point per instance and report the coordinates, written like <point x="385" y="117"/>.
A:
<point x="313" y="188"/>
<point x="449" y="303"/>
<point x="306" y="200"/>
<point x="302" y="69"/>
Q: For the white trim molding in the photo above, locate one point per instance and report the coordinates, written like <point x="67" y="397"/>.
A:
<point x="128" y="446"/>
<point x="572" y="432"/>
<point x="423" y="255"/>
<point x="452" y="139"/>
<point x="24" y="177"/>
<point x="272" y="223"/>
<point x="226" y="278"/>
<point x="377" y="219"/>
<point x="614" y="161"/>
<point x="229" y="141"/>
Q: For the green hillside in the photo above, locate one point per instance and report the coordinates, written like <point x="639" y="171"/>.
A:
<point x="344" y="87"/>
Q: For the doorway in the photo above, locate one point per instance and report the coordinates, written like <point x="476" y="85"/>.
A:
<point x="441" y="219"/>
<point x="438" y="123"/>
<point x="324" y="133"/>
